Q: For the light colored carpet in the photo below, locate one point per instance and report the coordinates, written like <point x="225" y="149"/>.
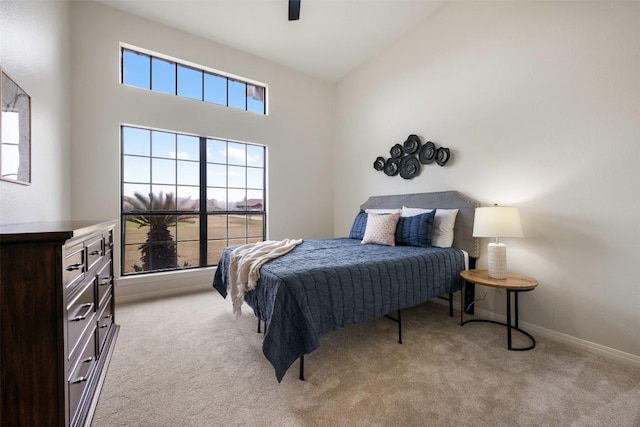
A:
<point x="188" y="361"/>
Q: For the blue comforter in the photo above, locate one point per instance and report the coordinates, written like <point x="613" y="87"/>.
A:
<point x="323" y="285"/>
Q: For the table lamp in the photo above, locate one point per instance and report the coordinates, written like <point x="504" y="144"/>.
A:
<point x="495" y="222"/>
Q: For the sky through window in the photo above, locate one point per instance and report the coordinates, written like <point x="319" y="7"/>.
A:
<point x="146" y="71"/>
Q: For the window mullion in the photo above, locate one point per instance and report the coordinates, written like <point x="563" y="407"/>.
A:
<point x="150" y="72"/>
<point x="204" y="223"/>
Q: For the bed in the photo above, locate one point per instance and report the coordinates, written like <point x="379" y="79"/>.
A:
<point x="323" y="285"/>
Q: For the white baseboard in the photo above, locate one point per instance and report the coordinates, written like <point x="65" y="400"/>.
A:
<point x="161" y="285"/>
<point x="580" y="343"/>
<point x="554" y="335"/>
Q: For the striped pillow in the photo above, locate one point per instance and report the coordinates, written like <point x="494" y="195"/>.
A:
<point x="415" y="230"/>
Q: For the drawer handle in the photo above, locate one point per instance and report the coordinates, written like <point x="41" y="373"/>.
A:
<point x="96" y="252"/>
<point x="105" y="281"/>
<point x="79" y="380"/>
<point x="108" y="244"/>
<point x="88" y="360"/>
<point x="89" y="306"/>
<point x="106" y="325"/>
<point x="77" y="266"/>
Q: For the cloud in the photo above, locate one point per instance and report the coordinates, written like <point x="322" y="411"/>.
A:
<point x="239" y="155"/>
<point x="182" y="155"/>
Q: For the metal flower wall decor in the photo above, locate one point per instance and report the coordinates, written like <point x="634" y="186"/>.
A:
<point x="407" y="159"/>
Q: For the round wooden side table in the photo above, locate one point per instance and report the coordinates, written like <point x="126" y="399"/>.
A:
<point x="513" y="284"/>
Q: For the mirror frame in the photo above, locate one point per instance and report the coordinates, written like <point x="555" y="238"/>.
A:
<point x="15" y="100"/>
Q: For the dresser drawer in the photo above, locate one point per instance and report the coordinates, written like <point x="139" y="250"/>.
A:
<point x="105" y="281"/>
<point x="80" y="315"/>
<point x="94" y="252"/>
<point x="81" y="374"/>
<point x="73" y="266"/>
<point x="105" y="320"/>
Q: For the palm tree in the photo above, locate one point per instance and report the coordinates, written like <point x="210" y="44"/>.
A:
<point x="159" y="250"/>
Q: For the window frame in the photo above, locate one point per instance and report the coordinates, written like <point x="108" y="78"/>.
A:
<point x="203" y="213"/>
<point x="203" y="70"/>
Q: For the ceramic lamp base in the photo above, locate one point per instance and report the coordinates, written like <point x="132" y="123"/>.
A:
<point x="497" y="260"/>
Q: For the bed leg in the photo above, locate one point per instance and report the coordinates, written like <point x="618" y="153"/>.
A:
<point x="450" y="304"/>
<point x="264" y="330"/>
<point x="302" y="368"/>
<point x="398" y="320"/>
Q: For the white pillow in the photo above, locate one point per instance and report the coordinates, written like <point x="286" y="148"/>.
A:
<point x="443" y="224"/>
<point x="381" y="229"/>
<point x="383" y="211"/>
<point x="413" y="211"/>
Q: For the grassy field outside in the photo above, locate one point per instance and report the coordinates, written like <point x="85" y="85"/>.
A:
<point x="222" y="231"/>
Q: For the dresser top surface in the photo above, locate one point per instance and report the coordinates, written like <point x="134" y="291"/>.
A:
<point x="51" y="230"/>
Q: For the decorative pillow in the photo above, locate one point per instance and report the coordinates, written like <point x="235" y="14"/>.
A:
<point x="381" y="229"/>
<point x="415" y="230"/>
<point x="383" y="211"/>
<point x="358" y="227"/>
<point x="443" y="224"/>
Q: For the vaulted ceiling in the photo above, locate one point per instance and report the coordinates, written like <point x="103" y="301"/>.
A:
<point x="331" y="38"/>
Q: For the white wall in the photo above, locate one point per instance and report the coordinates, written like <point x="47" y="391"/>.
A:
<point x="298" y="131"/>
<point x="539" y="102"/>
<point x="34" y="52"/>
<point x="540" y="105"/>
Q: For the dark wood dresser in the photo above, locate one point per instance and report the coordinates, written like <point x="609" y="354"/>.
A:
<point x="57" y="321"/>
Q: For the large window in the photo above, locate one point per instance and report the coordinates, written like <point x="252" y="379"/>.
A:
<point x="185" y="198"/>
<point x="161" y="74"/>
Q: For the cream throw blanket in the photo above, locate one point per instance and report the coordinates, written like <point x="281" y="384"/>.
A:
<point x="245" y="263"/>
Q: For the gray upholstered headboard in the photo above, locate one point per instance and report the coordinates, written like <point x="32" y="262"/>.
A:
<point x="463" y="230"/>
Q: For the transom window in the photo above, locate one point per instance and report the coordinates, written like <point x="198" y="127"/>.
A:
<point x="185" y="198"/>
<point x="174" y="77"/>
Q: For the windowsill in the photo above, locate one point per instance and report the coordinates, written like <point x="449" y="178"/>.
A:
<point x="153" y="285"/>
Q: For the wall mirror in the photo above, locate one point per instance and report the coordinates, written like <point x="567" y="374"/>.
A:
<point x="15" y="132"/>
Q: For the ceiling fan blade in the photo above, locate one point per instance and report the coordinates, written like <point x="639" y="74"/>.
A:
<point x="294" y="10"/>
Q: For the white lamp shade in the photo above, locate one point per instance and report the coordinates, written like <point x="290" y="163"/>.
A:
<point x="497" y="221"/>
